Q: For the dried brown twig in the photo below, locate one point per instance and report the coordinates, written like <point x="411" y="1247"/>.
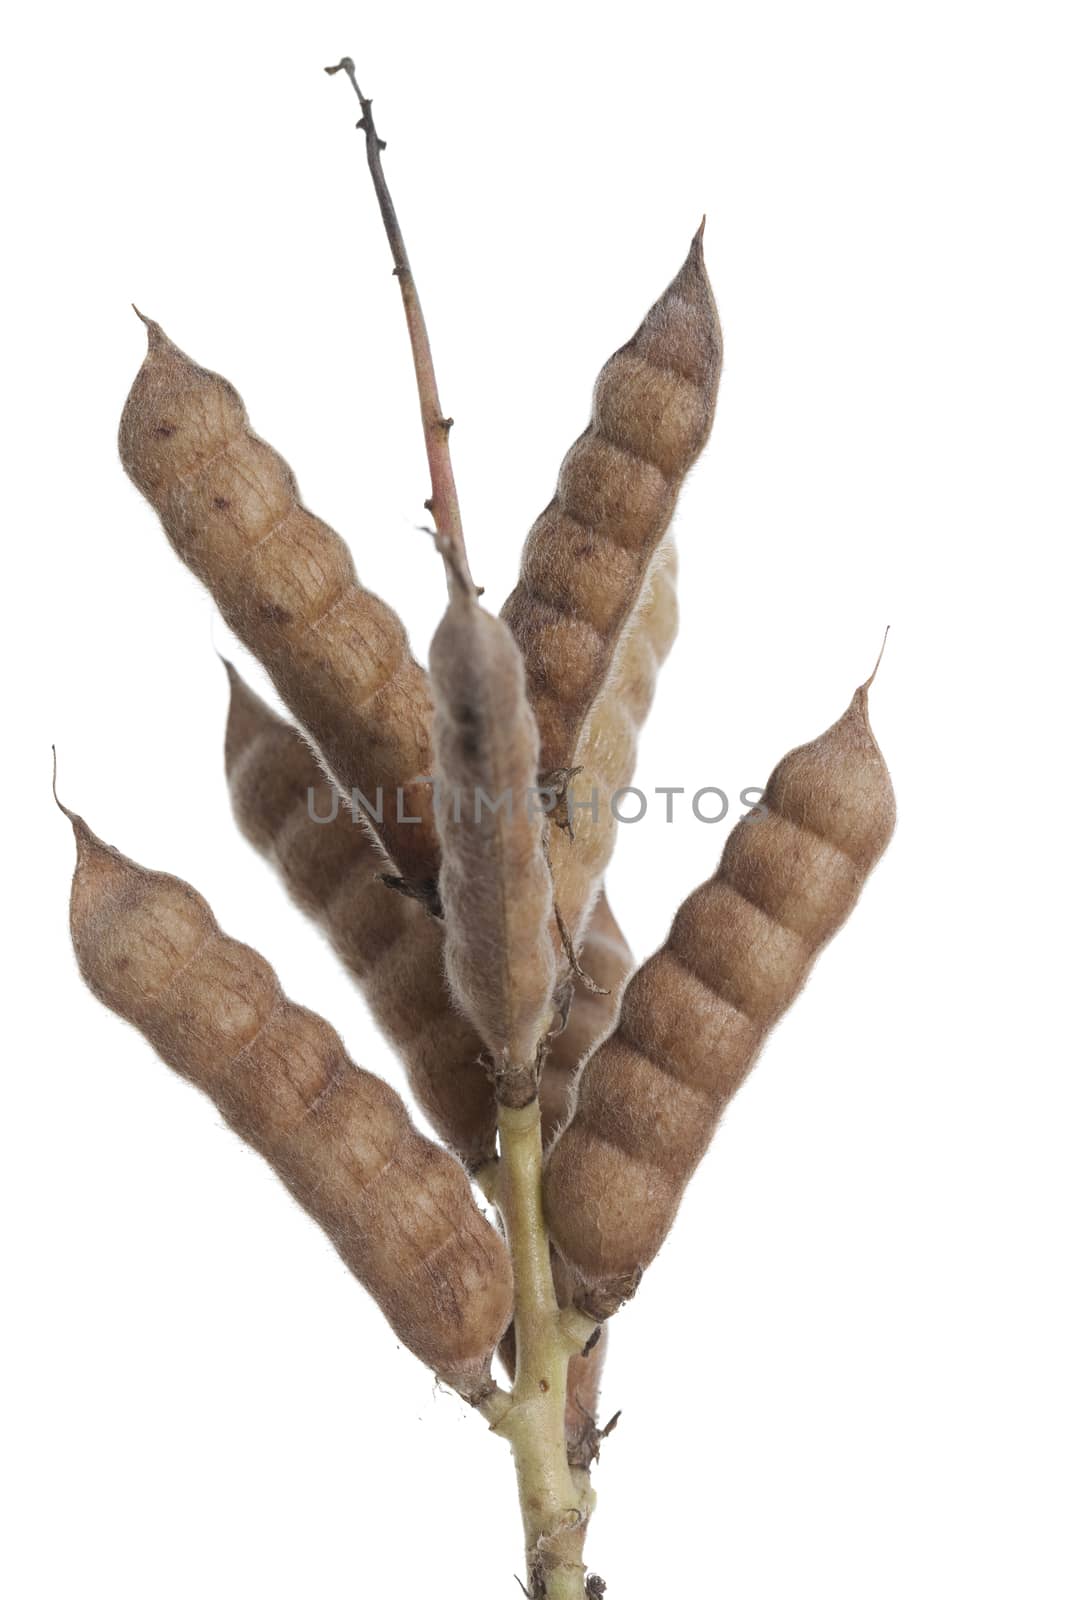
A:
<point x="443" y="504"/>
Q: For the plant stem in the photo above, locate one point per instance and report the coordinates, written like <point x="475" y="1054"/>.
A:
<point x="554" y="1507"/>
<point x="443" y="503"/>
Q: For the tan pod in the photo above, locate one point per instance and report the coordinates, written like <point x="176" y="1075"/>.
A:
<point x="693" y="1017"/>
<point x="387" y="942"/>
<point x="286" y="585"/>
<point x="397" y="1208"/>
<point x="500" y="955"/>
<point x="606" y="958"/>
<point x="606" y="752"/>
<point x="586" y="557"/>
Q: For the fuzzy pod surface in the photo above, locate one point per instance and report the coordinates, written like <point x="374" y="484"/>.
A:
<point x="606" y="752"/>
<point x="495" y="884"/>
<point x="606" y="958"/>
<point x="694" y="1017"/>
<point x="398" y="1210"/>
<point x="281" y="800"/>
<point x="286" y="584"/>
<point x="586" y="557"/>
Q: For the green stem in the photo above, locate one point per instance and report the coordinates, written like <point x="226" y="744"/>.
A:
<point x="554" y="1507"/>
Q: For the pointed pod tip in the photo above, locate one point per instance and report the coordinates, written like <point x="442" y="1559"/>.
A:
<point x="247" y="719"/>
<point x="859" y="710"/>
<point x="692" y="279"/>
<point x="156" y="336"/>
<point x="83" y="834"/>
<point x="865" y="686"/>
<point x="243" y="699"/>
<point x="71" y="816"/>
<point x="695" y="256"/>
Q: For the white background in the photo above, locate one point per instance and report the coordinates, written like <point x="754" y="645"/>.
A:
<point x="844" y="1376"/>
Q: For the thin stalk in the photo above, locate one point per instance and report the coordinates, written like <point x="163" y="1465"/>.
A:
<point x="555" y="1509"/>
<point x="443" y="504"/>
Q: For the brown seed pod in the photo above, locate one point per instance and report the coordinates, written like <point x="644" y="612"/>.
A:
<point x="398" y="1209"/>
<point x="286" y="585"/>
<point x="587" y="555"/>
<point x="606" y="958"/>
<point x="693" y="1017"/>
<point x="606" y="752"/>
<point x="389" y="945"/>
<point x="495" y="884"/>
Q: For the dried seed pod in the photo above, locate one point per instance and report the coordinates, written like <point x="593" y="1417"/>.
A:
<point x="495" y="884"/>
<point x="286" y="585"/>
<point x="606" y="752"/>
<point x="393" y="950"/>
<point x="586" y="556"/>
<point x="606" y="958"/>
<point x="694" y="1016"/>
<point x="397" y="1208"/>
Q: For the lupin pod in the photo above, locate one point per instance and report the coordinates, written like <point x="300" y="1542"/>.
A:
<point x="587" y="555"/>
<point x="606" y="752"/>
<point x="694" y="1017"/>
<point x="398" y="1209"/>
<point x="495" y="885"/>
<point x="286" y="585"/>
<point x="288" y="809"/>
<point x="606" y="959"/>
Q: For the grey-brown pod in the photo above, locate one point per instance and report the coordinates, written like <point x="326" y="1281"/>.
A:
<point x="587" y="555"/>
<point x="695" y="1015"/>
<point x="285" y="583"/>
<point x="288" y="809"/>
<point x="607" y="960"/>
<point x="398" y="1209"/>
<point x="495" y="885"/>
<point x="606" y="752"/>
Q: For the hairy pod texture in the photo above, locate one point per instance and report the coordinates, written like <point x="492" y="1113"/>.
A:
<point x="391" y="947"/>
<point x="586" y="557"/>
<point x="286" y="585"/>
<point x="495" y="885"/>
<point x="606" y="958"/>
<point x="398" y="1209"/>
<point x="694" y="1016"/>
<point x="606" y="752"/>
